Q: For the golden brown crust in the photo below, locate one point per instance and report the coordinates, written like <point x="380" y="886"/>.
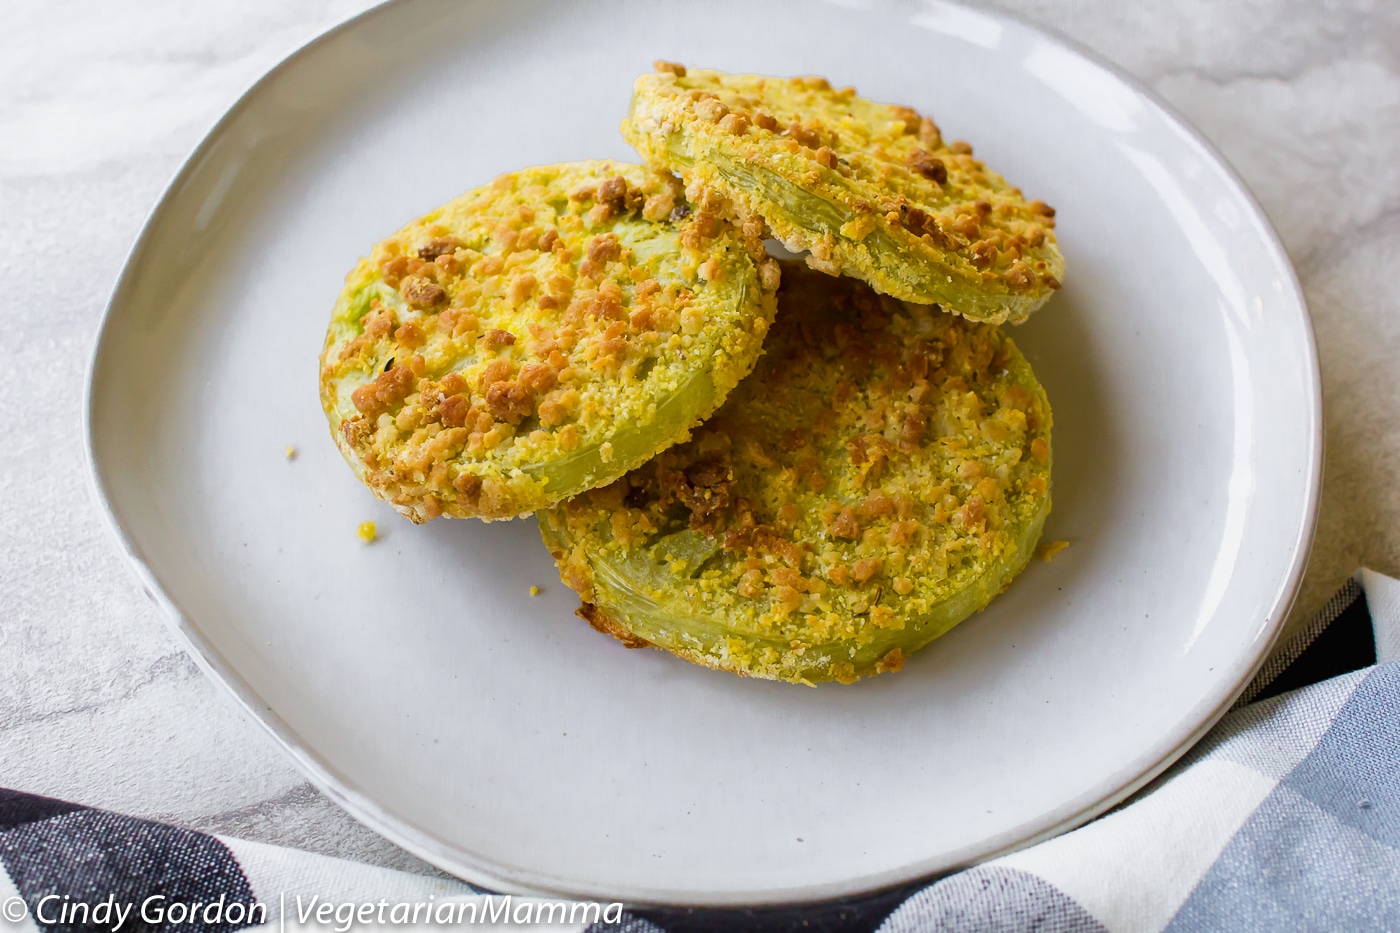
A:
<point x="882" y="474"/>
<point x="871" y="190"/>
<point x="538" y="336"/>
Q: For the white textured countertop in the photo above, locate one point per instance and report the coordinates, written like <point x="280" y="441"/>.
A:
<point x="99" y="103"/>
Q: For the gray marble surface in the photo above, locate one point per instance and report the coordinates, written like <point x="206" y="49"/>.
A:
<point x="99" y="102"/>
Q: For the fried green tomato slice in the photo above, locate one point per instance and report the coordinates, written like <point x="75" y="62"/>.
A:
<point x="870" y="189"/>
<point x="882" y="474"/>
<point x="538" y="337"/>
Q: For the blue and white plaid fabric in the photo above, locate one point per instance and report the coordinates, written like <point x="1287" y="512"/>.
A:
<point x="1285" y="817"/>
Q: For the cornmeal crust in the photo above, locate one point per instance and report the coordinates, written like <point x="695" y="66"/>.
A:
<point x="872" y="190"/>
<point x="882" y="474"/>
<point x="537" y="337"/>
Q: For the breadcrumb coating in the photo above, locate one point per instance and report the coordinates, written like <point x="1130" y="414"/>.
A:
<point x="882" y="474"/>
<point x="537" y="337"/>
<point x="871" y="190"/>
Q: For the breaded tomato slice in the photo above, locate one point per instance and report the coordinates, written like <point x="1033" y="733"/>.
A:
<point x="870" y="189"/>
<point x="538" y="337"/>
<point x="882" y="474"/>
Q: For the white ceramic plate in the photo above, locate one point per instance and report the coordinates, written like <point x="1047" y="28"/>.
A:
<point x="418" y="683"/>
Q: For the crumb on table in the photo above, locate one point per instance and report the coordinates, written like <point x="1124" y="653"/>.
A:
<point x="291" y="452"/>
<point x="367" y="532"/>
<point x="534" y="591"/>
<point x="1048" y="550"/>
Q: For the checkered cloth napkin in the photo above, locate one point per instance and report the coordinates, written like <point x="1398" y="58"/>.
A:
<point x="1285" y="817"/>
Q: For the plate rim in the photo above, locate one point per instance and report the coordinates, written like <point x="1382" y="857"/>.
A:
<point x="482" y="870"/>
